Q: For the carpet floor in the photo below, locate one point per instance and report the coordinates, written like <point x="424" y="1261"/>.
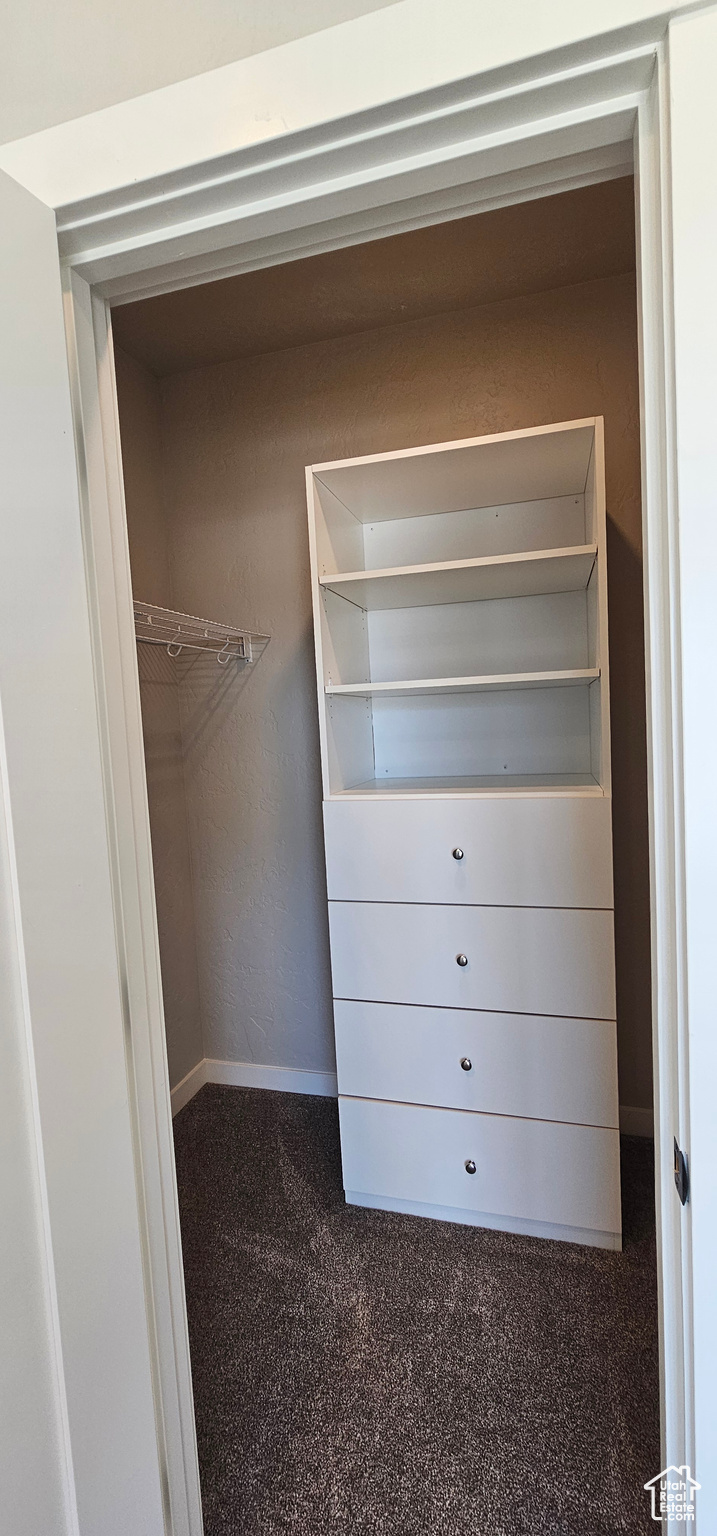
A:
<point x="358" y="1373"/>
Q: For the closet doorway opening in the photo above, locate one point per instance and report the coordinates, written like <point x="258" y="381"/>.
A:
<point x="317" y="1328"/>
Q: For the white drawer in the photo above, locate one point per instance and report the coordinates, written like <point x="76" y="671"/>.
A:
<point x="520" y="1064"/>
<point x="532" y="1170"/>
<point x="549" y="852"/>
<point x="520" y="959"/>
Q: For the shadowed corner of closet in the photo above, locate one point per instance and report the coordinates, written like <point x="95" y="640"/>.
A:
<point x="210" y="662"/>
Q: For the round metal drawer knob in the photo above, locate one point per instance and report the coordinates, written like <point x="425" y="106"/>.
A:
<point x="470" y="1166"/>
<point x="466" y="1063"/>
<point x="461" y="959"/>
<point x="458" y="853"/>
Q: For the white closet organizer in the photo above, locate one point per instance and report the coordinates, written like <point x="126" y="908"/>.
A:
<point x="460" y="612"/>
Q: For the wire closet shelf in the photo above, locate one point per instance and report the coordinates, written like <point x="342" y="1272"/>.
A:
<point x="179" y="632"/>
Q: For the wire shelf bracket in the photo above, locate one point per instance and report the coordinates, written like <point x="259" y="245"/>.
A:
<point x="178" y="632"/>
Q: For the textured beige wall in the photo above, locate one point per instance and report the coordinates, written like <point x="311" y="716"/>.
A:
<point x="149" y="554"/>
<point x="62" y="58"/>
<point x="237" y="436"/>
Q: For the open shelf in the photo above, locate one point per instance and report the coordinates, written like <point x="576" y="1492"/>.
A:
<point x="487" y="783"/>
<point x="531" y="574"/>
<point x="460" y="605"/>
<point x="499" y="683"/>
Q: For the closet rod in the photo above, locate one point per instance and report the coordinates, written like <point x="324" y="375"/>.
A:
<point x="178" y="632"/>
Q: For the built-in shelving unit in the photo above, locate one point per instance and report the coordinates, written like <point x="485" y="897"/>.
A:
<point x="460" y="615"/>
<point x="461" y="602"/>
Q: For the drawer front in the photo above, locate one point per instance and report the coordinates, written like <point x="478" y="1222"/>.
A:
<point x="519" y="959"/>
<point x="549" y="852"/>
<point x="514" y="1064"/>
<point x="533" y="1169"/>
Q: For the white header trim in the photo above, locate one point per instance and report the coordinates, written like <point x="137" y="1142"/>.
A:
<point x="351" y="68"/>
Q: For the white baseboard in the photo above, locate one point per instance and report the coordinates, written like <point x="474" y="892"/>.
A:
<point x="635" y="1121"/>
<point x="250" y="1074"/>
<point x="189" y="1085"/>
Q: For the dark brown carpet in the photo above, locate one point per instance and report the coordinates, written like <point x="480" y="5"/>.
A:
<point x="363" y="1374"/>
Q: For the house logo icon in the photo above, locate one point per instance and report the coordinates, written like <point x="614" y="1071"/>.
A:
<point x="673" y="1495"/>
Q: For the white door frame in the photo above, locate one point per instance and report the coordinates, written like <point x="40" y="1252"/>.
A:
<point x="565" y="118"/>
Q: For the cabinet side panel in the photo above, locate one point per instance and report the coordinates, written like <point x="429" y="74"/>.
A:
<point x="349" y="737"/>
<point x="592" y="532"/>
<point x="603" y="655"/>
<point x="344" y="634"/>
<point x="314" y="513"/>
<point x="339" y="535"/>
<point x="596" y="716"/>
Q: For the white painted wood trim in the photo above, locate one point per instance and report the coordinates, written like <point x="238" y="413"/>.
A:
<point x="64" y="918"/>
<point x="357" y="67"/>
<point x="225" y="258"/>
<point x="693" y="252"/>
<point x="515" y="1224"/>
<point x="300" y="192"/>
<point x="664" y="730"/>
<point x="189" y="1085"/>
<point x="252" y="1074"/>
<point x="111" y="615"/>
<point x="636" y="1121"/>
